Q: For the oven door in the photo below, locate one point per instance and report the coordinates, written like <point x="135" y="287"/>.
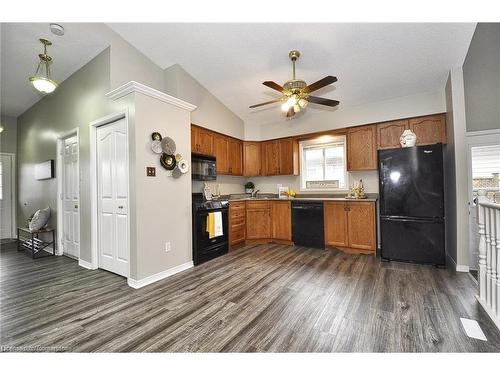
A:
<point x="201" y="234"/>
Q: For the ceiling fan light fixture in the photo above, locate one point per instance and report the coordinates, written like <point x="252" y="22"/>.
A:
<point x="42" y="80"/>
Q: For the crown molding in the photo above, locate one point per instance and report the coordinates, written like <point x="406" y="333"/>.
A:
<point x="134" y="86"/>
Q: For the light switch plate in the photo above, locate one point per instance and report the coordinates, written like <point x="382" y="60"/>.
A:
<point x="150" y="171"/>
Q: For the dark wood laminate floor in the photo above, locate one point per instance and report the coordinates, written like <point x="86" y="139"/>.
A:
<point x="266" y="298"/>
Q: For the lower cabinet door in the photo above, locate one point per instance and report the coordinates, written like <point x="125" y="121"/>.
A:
<point x="335" y="216"/>
<point x="258" y="223"/>
<point x="281" y="217"/>
<point x="361" y="225"/>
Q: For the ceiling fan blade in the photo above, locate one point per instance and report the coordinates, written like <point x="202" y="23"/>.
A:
<point x="328" y="80"/>
<point x="273" y="85"/>
<point x="323" y="101"/>
<point x="290" y="112"/>
<point x="265" y="103"/>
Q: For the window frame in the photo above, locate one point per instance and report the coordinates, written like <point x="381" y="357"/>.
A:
<point x="322" y="142"/>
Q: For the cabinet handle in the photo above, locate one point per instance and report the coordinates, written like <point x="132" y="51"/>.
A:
<point x="120" y="207"/>
<point x="76" y="206"/>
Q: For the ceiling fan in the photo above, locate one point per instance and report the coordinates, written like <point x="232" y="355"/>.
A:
<point x="296" y="92"/>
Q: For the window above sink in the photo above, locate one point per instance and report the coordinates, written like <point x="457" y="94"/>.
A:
<point x="323" y="164"/>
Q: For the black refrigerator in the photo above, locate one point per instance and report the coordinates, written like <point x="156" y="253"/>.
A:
<point x="412" y="220"/>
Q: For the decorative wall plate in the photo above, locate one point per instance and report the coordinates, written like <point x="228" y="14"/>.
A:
<point x="156" y="147"/>
<point x="176" y="173"/>
<point x="183" y="166"/>
<point x="168" y="145"/>
<point x="178" y="157"/>
<point x="168" y="161"/>
<point x="156" y="136"/>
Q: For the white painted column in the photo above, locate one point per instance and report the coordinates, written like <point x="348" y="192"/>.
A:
<point x="493" y="258"/>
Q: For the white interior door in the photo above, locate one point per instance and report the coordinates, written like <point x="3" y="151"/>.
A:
<point x="484" y="171"/>
<point x="70" y="198"/>
<point x="112" y="197"/>
<point x="6" y="198"/>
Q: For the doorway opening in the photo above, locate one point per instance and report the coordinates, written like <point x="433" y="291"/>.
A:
<point x="68" y="186"/>
<point x="7" y="196"/>
<point x="109" y="169"/>
<point x="483" y="153"/>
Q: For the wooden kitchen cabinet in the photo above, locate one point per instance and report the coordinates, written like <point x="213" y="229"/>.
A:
<point x="389" y="133"/>
<point x="235" y="155"/>
<point x="280" y="157"/>
<point x="288" y="156"/>
<point x="335" y="217"/>
<point x="221" y="153"/>
<point x="429" y="129"/>
<point x="350" y="225"/>
<point x="362" y="148"/>
<point x="237" y="224"/>
<point x="252" y="152"/>
<point x="270" y="158"/>
<point x="258" y="220"/>
<point x="281" y="218"/>
<point x="202" y="140"/>
<point x="361" y="225"/>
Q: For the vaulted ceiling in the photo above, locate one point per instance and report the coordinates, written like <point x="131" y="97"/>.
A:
<point x="373" y="61"/>
<point x="19" y="59"/>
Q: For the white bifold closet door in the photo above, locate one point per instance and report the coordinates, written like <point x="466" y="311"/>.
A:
<point x="112" y="190"/>
<point x="71" y="198"/>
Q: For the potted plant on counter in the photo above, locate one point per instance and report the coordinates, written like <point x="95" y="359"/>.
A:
<point x="249" y="186"/>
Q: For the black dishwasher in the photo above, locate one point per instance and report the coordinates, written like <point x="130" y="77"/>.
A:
<point x="307" y="224"/>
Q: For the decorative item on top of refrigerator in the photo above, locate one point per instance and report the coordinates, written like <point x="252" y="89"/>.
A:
<point x="408" y="138"/>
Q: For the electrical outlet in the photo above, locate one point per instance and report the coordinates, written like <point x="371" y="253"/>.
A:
<point x="167" y="247"/>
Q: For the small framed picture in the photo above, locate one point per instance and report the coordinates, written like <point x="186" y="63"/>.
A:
<point x="283" y="192"/>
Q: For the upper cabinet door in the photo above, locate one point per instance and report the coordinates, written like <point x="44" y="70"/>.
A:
<point x="205" y="141"/>
<point x="362" y="148"/>
<point x="252" y="158"/>
<point x="194" y="139"/>
<point x="235" y="157"/>
<point x="221" y="153"/>
<point x="270" y="155"/>
<point x="388" y="134"/>
<point x="288" y="156"/>
<point x="429" y="130"/>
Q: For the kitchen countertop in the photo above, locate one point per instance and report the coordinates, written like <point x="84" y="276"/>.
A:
<point x="301" y="198"/>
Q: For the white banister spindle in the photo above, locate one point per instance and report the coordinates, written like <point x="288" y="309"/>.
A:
<point x="488" y="218"/>
<point x="487" y="235"/>
<point x="493" y="251"/>
<point x="482" y="244"/>
<point x="497" y="287"/>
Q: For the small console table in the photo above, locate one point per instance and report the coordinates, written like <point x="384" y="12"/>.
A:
<point x="31" y="241"/>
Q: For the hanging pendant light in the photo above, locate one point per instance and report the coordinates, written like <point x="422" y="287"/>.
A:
<point x="42" y="80"/>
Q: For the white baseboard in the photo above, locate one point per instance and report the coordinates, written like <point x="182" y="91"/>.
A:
<point x="462" y="268"/>
<point x="489" y="311"/>
<point x="85" y="264"/>
<point x="136" y="284"/>
<point x="457" y="267"/>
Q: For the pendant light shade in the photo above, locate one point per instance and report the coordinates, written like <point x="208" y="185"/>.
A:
<point x="42" y="80"/>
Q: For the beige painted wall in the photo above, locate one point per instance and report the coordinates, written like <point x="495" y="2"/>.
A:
<point x="79" y="100"/>
<point x="482" y="78"/>
<point x="456" y="192"/>
<point x="210" y="113"/>
<point x="162" y="203"/>
<point x="8" y="138"/>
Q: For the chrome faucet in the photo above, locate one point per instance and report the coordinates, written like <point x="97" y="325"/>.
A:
<point x="254" y="193"/>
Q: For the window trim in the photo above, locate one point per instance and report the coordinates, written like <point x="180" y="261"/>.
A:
<point x="322" y="142"/>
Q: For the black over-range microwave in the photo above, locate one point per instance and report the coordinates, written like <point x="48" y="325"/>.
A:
<point x="203" y="167"/>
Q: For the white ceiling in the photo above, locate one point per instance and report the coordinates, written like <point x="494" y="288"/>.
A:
<point x="20" y="49"/>
<point x="372" y="61"/>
